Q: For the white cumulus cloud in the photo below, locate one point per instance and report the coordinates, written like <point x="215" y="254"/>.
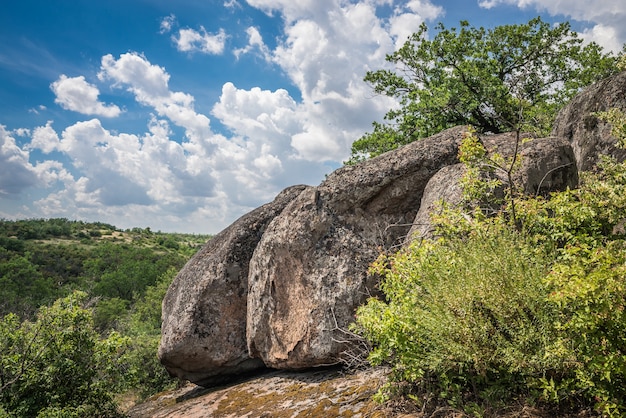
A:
<point x="606" y="16"/>
<point x="17" y="173"/>
<point x="167" y="23"/>
<point x="409" y="16"/>
<point x="123" y="169"/>
<point x="327" y="62"/>
<point x="255" y="42"/>
<point x="76" y="94"/>
<point x="149" y="84"/>
<point x="190" y="40"/>
<point x="45" y="138"/>
<point x="607" y="36"/>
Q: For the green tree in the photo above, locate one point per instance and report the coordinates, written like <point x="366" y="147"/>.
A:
<point x="502" y="79"/>
<point x="144" y="370"/>
<point x="124" y="271"/>
<point x="58" y="365"/>
<point x="22" y="286"/>
<point x="109" y="312"/>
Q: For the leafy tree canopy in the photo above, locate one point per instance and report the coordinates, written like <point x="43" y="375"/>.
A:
<point x="502" y="79"/>
<point x="58" y="365"/>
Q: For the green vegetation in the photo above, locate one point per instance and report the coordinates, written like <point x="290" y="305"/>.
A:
<point x="80" y="314"/>
<point x="503" y="79"/>
<point x="504" y="310"/>
<point x="58" y="365"/>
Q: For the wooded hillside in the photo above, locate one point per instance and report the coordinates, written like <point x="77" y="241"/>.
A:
<point x="102" y="332"/>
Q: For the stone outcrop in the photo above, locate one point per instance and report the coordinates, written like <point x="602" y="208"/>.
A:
<point x="443" y="187"/>
<point x="203" y="335"/>
<point x="278" y="287"/>
<point x="546" y="165"/>
<point x="590" y="137"/>
<point x="318" y="393"/>
<point x="309" y="271"/>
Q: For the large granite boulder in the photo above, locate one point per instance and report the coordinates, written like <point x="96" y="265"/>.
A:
<point x="278" y="287"/>
<point x="309" y="271"/>
<point x="546" y="165"/>
<point x="590" y="137"/>
<point x="203" y="336"/>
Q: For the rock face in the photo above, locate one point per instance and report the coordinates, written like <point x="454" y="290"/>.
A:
<point x="589" y="136"/>
<point x="546" y="165"/>
<point x="277" y="287"/>
<point x="203" y="336"/>
<point x="309" y="271"/>
<point x="443" y="187"/>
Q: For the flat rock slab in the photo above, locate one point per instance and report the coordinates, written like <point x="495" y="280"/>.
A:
<point x="315" y="393"/>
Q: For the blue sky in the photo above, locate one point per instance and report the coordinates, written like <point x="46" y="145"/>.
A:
<point x="183" y="115"/>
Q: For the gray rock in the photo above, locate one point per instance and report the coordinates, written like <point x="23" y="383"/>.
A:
<point x="443" y="187"/>
<point x="546" y="165"/>
<point x="590" y="137"/>
<point x="279" y="285"/>
<point x="203" y="335"/>
<point x="309" y="272"/>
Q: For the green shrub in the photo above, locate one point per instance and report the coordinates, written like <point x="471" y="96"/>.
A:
<point x="109" y="312"/>
<point x="589" y="288"/>
<point x="467" y="317"/>
<point x="58" y="363"/>
<point x="496" y="310"/>
<point x="145" y="373"/>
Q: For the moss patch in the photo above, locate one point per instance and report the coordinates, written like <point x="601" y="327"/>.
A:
<point x="317" y="393"/>
<point x="310" y="395"/>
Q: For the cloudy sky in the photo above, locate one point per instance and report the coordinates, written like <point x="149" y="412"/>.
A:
<point x="183" y="115"/>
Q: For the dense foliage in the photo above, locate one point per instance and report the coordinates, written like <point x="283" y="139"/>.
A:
<point x="58" y="365"/>
<point x="80" y="309"/>
<point x="497" y="310"/>
<point x="502" y="79"/>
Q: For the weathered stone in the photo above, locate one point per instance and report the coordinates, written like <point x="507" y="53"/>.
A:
<point x="309" y="271"/>
<point x="545" y="165"/>
<point x="204" y="310"/>
<point x="278" y="286"/>
<point x="319" y="393"/>
<point x="590" y="137"/>
<point x="443" y="187"/>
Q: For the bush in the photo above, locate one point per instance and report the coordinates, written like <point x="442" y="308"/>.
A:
<point x="530" y="306"/>
<point x="589" y="288"/>
<point x="58" y="364"/>
<point x="467" y="319"/>
<point x="588" y="285"/>
<point x="145" y="373"/>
